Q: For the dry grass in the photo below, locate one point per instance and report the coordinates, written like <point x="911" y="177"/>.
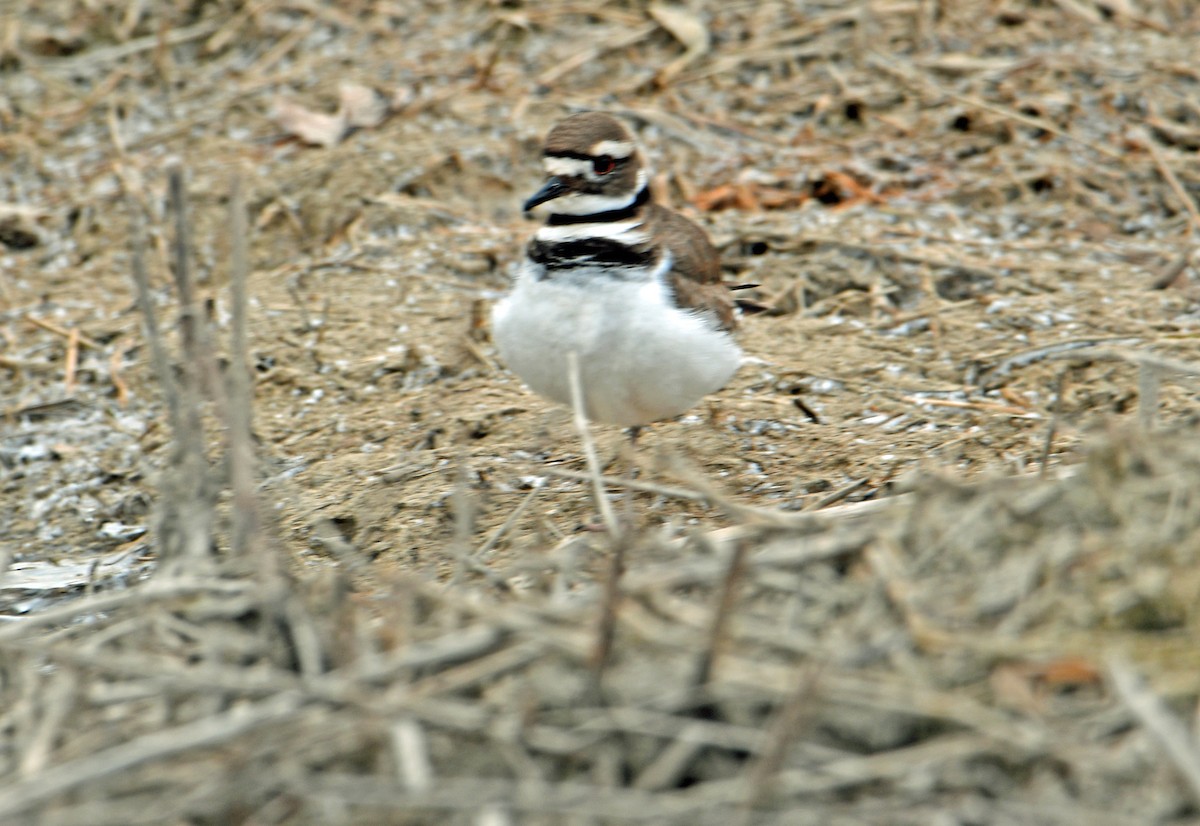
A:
<point x="284" y="545"/>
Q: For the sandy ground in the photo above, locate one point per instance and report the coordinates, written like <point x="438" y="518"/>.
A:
<point x="963" y="238"/>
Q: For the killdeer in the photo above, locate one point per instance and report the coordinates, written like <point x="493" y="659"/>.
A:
<point x="632" y="288"/>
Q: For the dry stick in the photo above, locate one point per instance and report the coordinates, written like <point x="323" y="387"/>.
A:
<point x="500" y="532"/>
<point x="155" y="746"/>
<point x="463" y="512"/>
<point x="240" y="413"/>
<point x="72" y="361"/>
<point x="588" y="56"/>
<point x="558" y="802"/>
<point x="1136" y="357"/>
<point x="87" y="62"/>
<point x="107" y="603"/>
<point x="58" y="701"/>
<point x="1172" y="180"/>
<point x="909" y="75"/>
<point x="1148" y="384"/>
<point x="1163" y="727"/>
<point x="722" y="612"/>
<point x="783" y="730"/>
<point x="760" y="517"/>
<point x="463" y="509"/>
<point x="186" y="485"/>
<point x="1055" y="412"/>
<point x="180" y="249"/>
<point x="837" y="496"/>
<point x="410" y="749"/>
<point x="114" y="374"/>
<point x="589" y="448"/>
<point x="304" y="638"/>
<point x="345" y="686"/>
<point x="665" y="770"/>
<point x="50" y="326"/>
<point x="1167" y="275"/>
<point x="980" y="407"/>
<point x="1023" y="358"/>
<point x="632" y="484"/>
<point x="606" y="629"/>
<point x="158" y="353"/>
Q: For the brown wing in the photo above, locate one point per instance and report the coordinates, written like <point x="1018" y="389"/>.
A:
<point x="695" y="277"/>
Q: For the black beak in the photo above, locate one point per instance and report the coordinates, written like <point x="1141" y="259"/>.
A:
<point x="549" y="191"/>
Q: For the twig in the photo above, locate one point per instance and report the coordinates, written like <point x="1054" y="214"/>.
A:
<point x="158" y="745"/>
<point x="516" y="514"/>
<point x="411" y="750"/>
<point x="1164" y="169"/>
<point x="1148" y="383"/>
<point x="1170" y="733"/>
<point x="114" y="374"/>
<point x="187" y="517"/>
<point x="754" y="516"/>
<point x="66" y="333"/>
<point x="837" y="496"/>
<point x="589" y="447"/>
<point x="1060" y="386"/>
<point x="1166" y="277"/>
<point x="158" y="353"/>
<point x="1137" y="357"/>
<point x="563" y="798"/>
<point x="664" y="771"/>
<point x="240" y="412"/>
<point x="109" y="601"/>
<point x="85" y="63"/>
<point x="58" y="698"/>
<point x="909" y="75"/>
<point x="72" y="361"/>
<point x="585" y="57"/>
<point x="722" y="611"/>
<point x="981" y="407"/>
<point x="627" y="482"/>
<point x="783" y="730"/>
<point x="606" y="627"/>
<point x="987" y="376"/>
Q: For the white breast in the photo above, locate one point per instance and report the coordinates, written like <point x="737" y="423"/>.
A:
<point x="641" y="359"/>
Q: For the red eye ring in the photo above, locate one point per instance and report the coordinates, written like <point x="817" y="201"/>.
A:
<point x="603" y="165"/>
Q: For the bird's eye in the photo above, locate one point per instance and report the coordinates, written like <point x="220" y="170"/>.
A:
<point x="603" y="165"/>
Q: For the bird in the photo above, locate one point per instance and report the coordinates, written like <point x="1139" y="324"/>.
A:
<point x="629" y="286"/>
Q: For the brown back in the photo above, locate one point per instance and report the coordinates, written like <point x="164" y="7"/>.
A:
<point x="695" y="276"/>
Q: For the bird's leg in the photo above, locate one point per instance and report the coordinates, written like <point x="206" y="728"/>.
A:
<point x="631" y="474"/>
<point x="634" y="432"/>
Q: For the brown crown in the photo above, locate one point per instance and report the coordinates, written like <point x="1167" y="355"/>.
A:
<point x="579" y="133"/>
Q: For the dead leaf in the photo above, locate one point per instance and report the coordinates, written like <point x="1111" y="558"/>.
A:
<point x="1012" y="688"/>
<point x="311" y="127"/>
<point x="359" y="107"/>
<point x="747" y="197"/>
<point x="362" y="106"/>
<point x="962" y="64"/>
<point x="685" y="27"/>
<point x="1026" y="685"/>
<point x="1068" y="672"/>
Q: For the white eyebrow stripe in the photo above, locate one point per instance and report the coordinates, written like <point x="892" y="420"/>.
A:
<point x="625" y="231"/>
<point x="566" y="167"/>
<point x="614" y="149"/>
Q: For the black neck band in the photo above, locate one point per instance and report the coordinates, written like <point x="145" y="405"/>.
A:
<point x="643" y="196"/>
